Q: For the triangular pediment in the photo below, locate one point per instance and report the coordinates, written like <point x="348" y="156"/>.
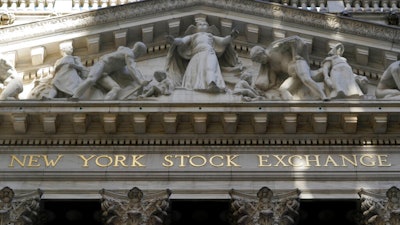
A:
<point x="259" y="23"/>
<point x="34" y="47"/>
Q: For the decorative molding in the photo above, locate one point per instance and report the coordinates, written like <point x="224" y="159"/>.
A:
<point x="230" y="121"/>
<point x="110" y="123"/>
<point x="200" y="123"/>
<point x="289" y="123"/>
<point x="20" y="122"/>
<point x="170" y="122"/>
<point x="158" y="7"/>
<point x="148" y="34"/>
<point x="22" y="209"/>
<point x="380" y="208"/>
<point x="49" y="123"/>
<point x="135" y="208"/>
<point x="139" y="123"/>
<point x="260" y="122"/>
<point x="93" y="44"/>
<point x="120" y="37"/>
<point x="362" y="54"/>
<point x="38" y="54"/>
<point x="349" y="123"/>
<point x="265" y="208"/>
<point x="320" y="122"/>
<point x="80" y="123"/>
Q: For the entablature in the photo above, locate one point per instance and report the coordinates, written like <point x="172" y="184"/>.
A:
<point x="255" y="123"/>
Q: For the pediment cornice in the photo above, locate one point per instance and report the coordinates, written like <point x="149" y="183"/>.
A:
<point x="142" y="11"/>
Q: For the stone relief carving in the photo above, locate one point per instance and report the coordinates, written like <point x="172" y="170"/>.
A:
<point x="164" y="86"/>
<point x="135" y="208"/>
<point x="10" y="81"/>
<point x="6" y="17"/>
<point x="265" y="208"/>
<point x="21" y="210"/>
<point x="284" y="67"/>
<point x="285" y="63"/>
<point x="379" y="209"/>
<point x="338" y="75"/>
<point x="389" y="84"/>
<point x="194" y="61"/>
<point x="119" y="63"/>
<point x="202" y="61"/>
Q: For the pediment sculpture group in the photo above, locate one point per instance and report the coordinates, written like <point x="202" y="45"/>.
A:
<point x="266" y="208"/>
<point x="204" y="61"/>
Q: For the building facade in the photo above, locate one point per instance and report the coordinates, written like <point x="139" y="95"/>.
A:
<point x="300" y="104"/>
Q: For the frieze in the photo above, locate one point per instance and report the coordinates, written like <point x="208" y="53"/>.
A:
<point x="199" y="163"/>
<point x="145" y="8"/>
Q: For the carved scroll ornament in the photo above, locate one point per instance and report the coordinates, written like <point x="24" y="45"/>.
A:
<point x="379" y="209"/>
<point x="135" y="208"/>
<point x="18" y="210"/>
<point x="265" y="209"/>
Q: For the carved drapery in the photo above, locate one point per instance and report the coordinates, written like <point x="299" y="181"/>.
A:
<point x="21" y="210"/>
<point x="265" y="208"/>
<point x="380" y="209"/>
<point x="135" y="208"/>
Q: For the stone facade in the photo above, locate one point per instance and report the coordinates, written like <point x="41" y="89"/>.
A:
<point x="200" y="142"/>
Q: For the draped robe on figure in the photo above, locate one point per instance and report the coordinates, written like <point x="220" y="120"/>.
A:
<point x="66" y="78"/>
<point x="196" y="65"/>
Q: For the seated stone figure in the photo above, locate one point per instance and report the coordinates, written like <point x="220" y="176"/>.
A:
<point x="243" y="87"/>
<point x="163" y="87"/>
<point x="43" y="87"/>
<point x="286" y="59"/>
<point x="11" y="81"/>
<point x="389" y="84"/>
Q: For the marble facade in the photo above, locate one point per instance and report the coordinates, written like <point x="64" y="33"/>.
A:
<point x="328" y="137"/>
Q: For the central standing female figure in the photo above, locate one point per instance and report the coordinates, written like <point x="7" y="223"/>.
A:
<point x="202" y="72"/>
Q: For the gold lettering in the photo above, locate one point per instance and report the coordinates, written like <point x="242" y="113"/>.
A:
<point x="292" y="160"/>
<point x="280" y="160"/>
<point x="344" y="159"/>
<point x="34" y="161"/>
<point x="17" y="160"/>
<point x="308" y="160"/>
<point x="120" y="159"/>
<point x="230" y="162"/>
<point x="107" y="158"/>
<point x="213" y="163"/>
<point x="86" y="160"/>
<point x="329" y="159"/>
<point x="370" y="162"/>
<point x="168" y="161"/>
<point x="382" y="159"/>
<point x="135" y="161"/>
<point x="51" y="162"/>
<point x="202" y="158"/>
<point x="263" y="159"/>
<point x="182" y="164"/>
